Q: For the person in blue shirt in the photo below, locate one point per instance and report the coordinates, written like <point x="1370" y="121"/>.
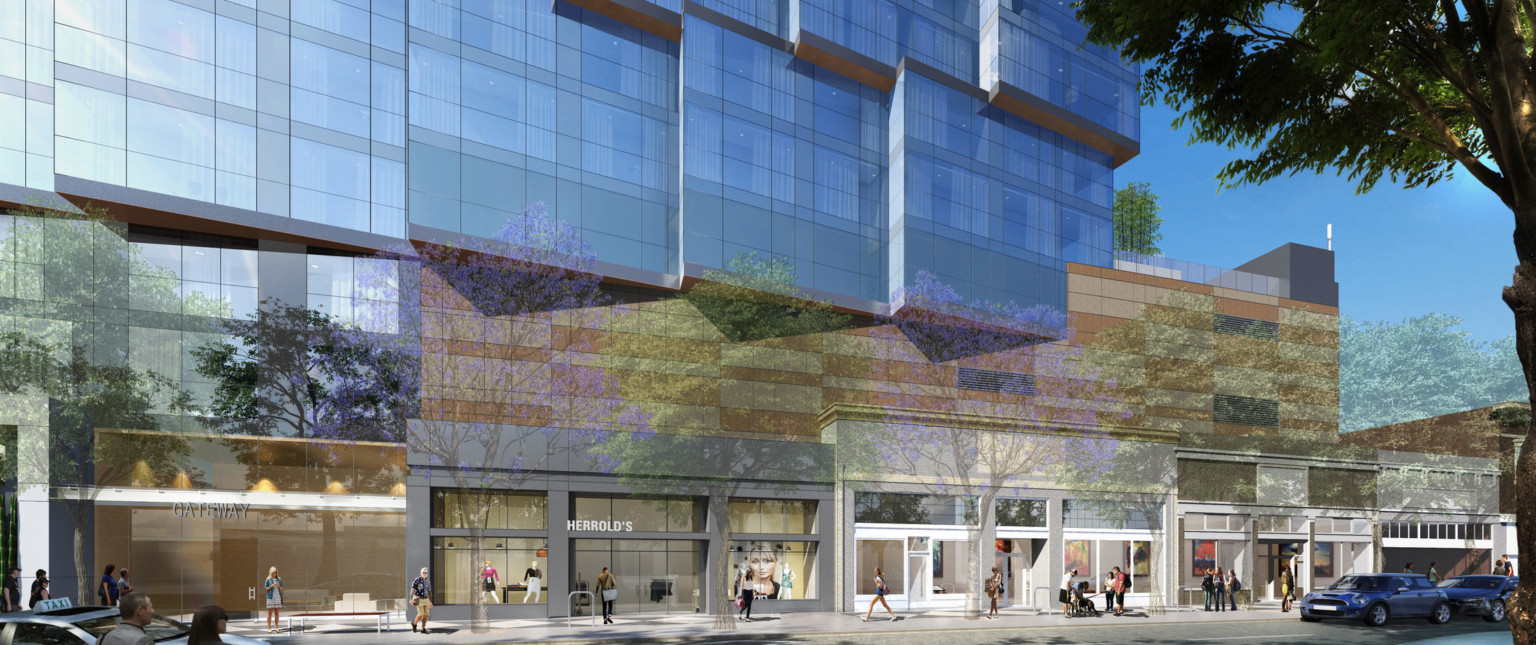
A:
<point x="107" y="590"/>
<point x="274" y="600"/>
<point x="421" y="596"/>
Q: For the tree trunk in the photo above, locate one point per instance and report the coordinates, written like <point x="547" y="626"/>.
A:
<point x="983" y="543"/>
<point x="1155" y="570"/>
<point x="1521" y="298"/>
<point x="84" y="588"/>
<point x="479" y="615"/>
<point x="725" y="612"/>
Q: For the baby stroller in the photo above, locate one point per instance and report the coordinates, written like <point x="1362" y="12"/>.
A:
<point x="1082" y="605"/>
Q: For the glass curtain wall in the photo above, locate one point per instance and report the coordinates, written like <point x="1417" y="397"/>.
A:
<point x="654" y="576"/>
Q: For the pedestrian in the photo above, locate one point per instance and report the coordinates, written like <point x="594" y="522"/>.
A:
<point x="1434" y="574"/>
<point x="1109" y="591"/>
<point x="994" y="590"/>
<point x="745" y="591"/>
<point x="1498" y="567"/>
<point x="1509" y="566"/>
<point x="39" y="589"/>
<point x="207" y="623"/>
<point x="124" y="587"/>
<point x="1209" y="587"/>
<point x="880" y="591"/>
<point x="274" y="585"/>
<point x="1234" y="585"/>
<point x="608" y="588"/>
<point x="1122" y="587"/>
<point x="421" y="598"/>
<point x="106" y="590"/>
<point x="11" y="592"/>
<point x="1408" y="568"/>
<point x="136" y="611"/>
<point x="1285" y="588"/>
<point x="1065" y="597"/>
<point x="1221" y="590"/>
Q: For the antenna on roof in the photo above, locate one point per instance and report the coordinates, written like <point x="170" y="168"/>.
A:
<point x="1330" y="237"/>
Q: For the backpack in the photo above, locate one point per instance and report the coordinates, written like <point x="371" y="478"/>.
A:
<point x="1237" y="584"/>
<point x="1207" y="584"/>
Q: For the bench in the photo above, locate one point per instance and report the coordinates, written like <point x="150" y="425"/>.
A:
<point x="383" y="618"/>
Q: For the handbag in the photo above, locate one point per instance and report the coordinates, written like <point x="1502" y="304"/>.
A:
<point x="610" y="595"/>
<point x="741" y="603"/>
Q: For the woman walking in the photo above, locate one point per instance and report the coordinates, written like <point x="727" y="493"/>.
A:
<point x="745" y="592"/>
<point x="1065" y="597"/>
<point x="207" y="624"/>
<point x="274" y="600"/>
<point x="608" y="588"/>
<point x="994" y="590"/>
<point x="880" y="590"/>
<point x="106" y="590"/>
<point x="1434" y="574"/>
<point x="1285" y="588"/>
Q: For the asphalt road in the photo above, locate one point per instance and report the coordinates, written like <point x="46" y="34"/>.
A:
<point x="1459" y="631"/>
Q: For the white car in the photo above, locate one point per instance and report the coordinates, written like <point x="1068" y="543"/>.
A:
<point x="86" y="625"/>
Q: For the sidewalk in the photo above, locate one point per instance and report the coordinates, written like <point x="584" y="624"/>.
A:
<point x="662" y="627"/>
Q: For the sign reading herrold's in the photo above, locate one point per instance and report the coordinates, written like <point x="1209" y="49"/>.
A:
<point x="230" y="510"/>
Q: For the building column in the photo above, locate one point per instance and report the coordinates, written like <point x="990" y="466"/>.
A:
<point x="1304" y="570"/>
<point x="1248" y="560"/>
<point x="30" y="415"/>
<point x="557" y="565"/>
<point x="1174" y="557"/>
<point x="707" y="589"/>
<point x="1055" y="552"/>
<point x="844" y="548"/>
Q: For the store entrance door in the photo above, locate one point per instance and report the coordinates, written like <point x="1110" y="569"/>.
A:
<point x="1016" y="583"/>
<point x="1273" y="558"/>
<point x="238" y="580"/>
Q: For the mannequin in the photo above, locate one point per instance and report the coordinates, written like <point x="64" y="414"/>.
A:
<point x="786" y="583"/>
<point x="532" y="577"/>
<point x="488" y="580"/>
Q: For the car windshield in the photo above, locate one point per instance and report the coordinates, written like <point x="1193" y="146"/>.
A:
<point x="1472" y="583"/>
<point x="160" y="628"/>
<point x="1359" y="583"/>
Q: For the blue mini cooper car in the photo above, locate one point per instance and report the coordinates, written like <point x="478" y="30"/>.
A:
<point x="1375" y="597"/>
<point x="1479" y="595"/>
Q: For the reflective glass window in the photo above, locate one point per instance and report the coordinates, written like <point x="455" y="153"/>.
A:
<point x="326" y="71"/>
<point x="172" y="27"/>
<point x="170" y="71"/>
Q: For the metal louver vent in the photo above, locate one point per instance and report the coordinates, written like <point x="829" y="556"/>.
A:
<point x="1246" y="411"/>
<point x="994" y="381"/>
<point x="1239" y="326"/>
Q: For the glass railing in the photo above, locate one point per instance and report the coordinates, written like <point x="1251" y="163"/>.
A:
<point x="1200" y="273"/>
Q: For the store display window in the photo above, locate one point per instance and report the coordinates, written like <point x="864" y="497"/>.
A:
<point x="504" y="510"/>
<point x="776" y="570"/>
<point x="457" y="575"/>
<point x="773" y="516"/>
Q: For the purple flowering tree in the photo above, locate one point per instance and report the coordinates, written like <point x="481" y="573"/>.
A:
<point x="506" y="331"/>
<point x="1039" y="407"/>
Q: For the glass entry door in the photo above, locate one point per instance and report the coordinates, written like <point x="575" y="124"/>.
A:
<point x="919" y="576"/>
<point x="654" y="576"/>
<point x="1016" y="583"/>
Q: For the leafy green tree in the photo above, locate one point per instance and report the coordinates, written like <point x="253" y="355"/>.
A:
<point x="1137" y="223"/>
<point x="1422" y="367"/>
<point x="1410" y="91"/>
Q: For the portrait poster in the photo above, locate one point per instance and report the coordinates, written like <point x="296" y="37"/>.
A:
<point x="1139" y="554"/>
<point x="1079" y="555"/>
<point x="938" y="559"/>
<point x="1205" y="557"/>
<point x="1322" y="560"/>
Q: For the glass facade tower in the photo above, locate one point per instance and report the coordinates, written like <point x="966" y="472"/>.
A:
<point x="865" y="141"/>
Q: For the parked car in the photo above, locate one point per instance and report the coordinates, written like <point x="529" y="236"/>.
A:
<point x="1479" y="595"/>
<point x="1375" y="597"/>
<point x="85" y="625"/>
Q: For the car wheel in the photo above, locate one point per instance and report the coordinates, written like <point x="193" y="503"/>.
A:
<point x="1441" y="614"/>
<point x="1376" y="615"/>
<point x="1495" y="612"/>
<point x="1309" y="619"/>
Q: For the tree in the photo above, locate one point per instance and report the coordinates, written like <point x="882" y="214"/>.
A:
<point x="753" y="302"/>
<point x="1419" y="368"/>
<point x="59" y="376"/>
<point x="505" y="327"/>
<point x="1411" y="91"/>
<point x="951" y="442"/>
<point x="1137" y="223"/>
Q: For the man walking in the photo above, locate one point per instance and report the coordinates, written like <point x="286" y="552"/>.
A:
<point x="136" y="611"/>
<point x="421" y="596"/>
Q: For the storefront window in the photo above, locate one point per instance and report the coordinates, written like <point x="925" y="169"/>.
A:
<point x="1106" y="514"/>
<point x="951" y="562"/>
<point x="664" y="514"/>
<point x="258" y="464"/>
<point x="457" y="575"/>
<point x="1021" y="512"/>
<point x="901" y="508"/>
<point x="889" y="557"/>
<point x="778" y="570"/>
<point x="773" y="516"/>
<point x="654" y="576"/>
<point x="505" y="510"/>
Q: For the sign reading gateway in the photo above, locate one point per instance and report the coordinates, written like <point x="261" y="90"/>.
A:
<point x="210" y="509"/>
<point x="589" y="525"/>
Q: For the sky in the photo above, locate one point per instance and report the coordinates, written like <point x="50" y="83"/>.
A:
<point x="1398" y="253"/>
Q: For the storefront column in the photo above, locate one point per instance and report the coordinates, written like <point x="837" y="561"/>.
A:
<point x="1304" y="572"/>
<point x="30" y="414"/>
<point x="1249" y="558"/>
<point x="1378" y="559"/>
<point x="846" y="549"/>
<point x="1176" y="560"/>
<point x="712" y="552"/>
<point x="1055" y="555"/>
<point x="557" y="564"/>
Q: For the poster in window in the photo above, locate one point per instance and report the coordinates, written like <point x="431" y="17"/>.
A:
<point x="1140" y="554"/>
<point x="938" y="560"/>
<point x="1078" y="556"/>
<point x="1205" y="557"/>
<point x="1322" y="560"/>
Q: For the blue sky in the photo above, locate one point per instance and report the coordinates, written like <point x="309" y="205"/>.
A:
<point x="1398" y="252"/>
